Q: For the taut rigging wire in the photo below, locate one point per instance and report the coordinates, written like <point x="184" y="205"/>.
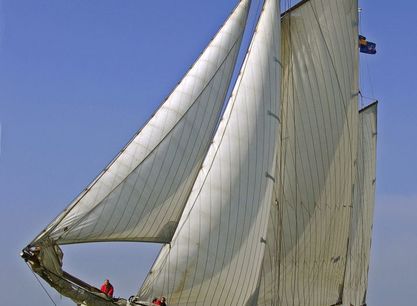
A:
<point x="40" y="283"/>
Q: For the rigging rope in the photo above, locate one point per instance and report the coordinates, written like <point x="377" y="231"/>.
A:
<point x="40" y="283"/>
<point x="291" y="76"/>
<point x="366" y="71"/>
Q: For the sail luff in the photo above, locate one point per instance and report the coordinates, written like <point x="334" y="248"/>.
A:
<point x="216" y="254"/>
<point x="140" y="195"/>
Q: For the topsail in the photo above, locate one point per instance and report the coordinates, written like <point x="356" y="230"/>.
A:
<point x="356" y="278"/>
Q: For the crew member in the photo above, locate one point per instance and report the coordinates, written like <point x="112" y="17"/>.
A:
<point x="107" y="288"/>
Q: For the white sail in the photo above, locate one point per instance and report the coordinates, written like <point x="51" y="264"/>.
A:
<point x="141" y="194"/>
<point x="356" y="281"/>
<point x="217" y="251"/>
<point x="309" y="223"/>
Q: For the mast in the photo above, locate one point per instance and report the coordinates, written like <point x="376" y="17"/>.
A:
<point x="141" y="194"/>
<point x="217" y="251"/>
<point x="310" y="213"/>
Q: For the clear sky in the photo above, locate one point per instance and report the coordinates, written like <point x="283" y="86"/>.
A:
<point x="78" y="78"/>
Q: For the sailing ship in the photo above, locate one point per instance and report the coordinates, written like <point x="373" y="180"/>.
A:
<point x="267" y="203"/>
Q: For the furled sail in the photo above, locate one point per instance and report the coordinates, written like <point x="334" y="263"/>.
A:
<point x="308" y="229"/>
<point x="356" y="281"/>
<point x="141" y="194"/>
<point x="216" y="253"/>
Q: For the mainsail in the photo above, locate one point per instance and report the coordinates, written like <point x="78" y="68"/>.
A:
<point x="141" y="194"/>
<point x="216" y="254"/>
<point x="356" y="280"/>
<point x="310" y="214"/>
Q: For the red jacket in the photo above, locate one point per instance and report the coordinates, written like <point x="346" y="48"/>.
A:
<point x="108" y="290"/>
<point x="158" y="302"/>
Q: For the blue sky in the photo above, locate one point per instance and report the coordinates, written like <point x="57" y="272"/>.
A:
<point x="78" y="78"/>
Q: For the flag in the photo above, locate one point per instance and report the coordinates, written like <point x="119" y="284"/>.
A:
<point x="366" y="46"/>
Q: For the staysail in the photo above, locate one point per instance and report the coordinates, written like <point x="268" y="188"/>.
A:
<point x="356" y="281"/>
<point x="217" y="250"/>
<point x="308" y="229"/>
<point x="141" y="194"/>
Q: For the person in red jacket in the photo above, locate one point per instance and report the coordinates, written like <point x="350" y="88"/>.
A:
<point x="163" y="300"/>
<point x="160" y="301"/>
<point x="107" y="288"/>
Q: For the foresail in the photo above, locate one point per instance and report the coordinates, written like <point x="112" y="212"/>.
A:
<point x="308" y="231"/>
<point x="141" y="194"/>
<point x="356" y="281"/>
<point x="217" y="251"/>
